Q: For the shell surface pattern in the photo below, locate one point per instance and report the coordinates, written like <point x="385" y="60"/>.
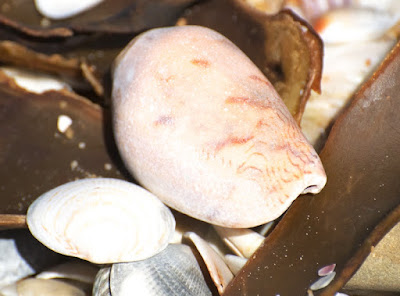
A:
<point x="101" y="220"/>
<point x="199" y="125"/>
<point x="174" y="271"/>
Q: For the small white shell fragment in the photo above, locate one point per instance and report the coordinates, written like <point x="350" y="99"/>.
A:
<point x="235" y="263"/>
<point x="62" y="9"/>
<point x="243" y="242"/>
<point x="200" y="126"/>
<point x="353" y="25"/>
<point x="323" y="271"/>
<point x="219" y="271"/>
<point x="76" y="270"/>
<point x="33" y="81"/>
<point x="101" y="220"/>
<point x="33" y="286"/>
<point x="63" y="123"/>
<point x="264" y="229"/>
<point x="323" y="281"/>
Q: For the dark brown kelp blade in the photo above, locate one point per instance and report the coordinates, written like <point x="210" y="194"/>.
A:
<point x="36" y="156"/>
<point x="110" y="16"/>
<point x="283" y="46"/>
<point x="83" y="61"/>
<point x="339" y="225"/>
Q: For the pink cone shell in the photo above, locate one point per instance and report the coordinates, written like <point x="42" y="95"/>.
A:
<point x="199" y="125"/>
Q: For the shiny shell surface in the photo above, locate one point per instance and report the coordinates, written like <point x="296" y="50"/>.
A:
<point x="200" y="126"/>
<point x="101" y="220"/>
<point x="173" y="272"/>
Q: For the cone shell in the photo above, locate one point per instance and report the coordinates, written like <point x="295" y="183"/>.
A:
<point x="101" y="220"/>
<point x="200" y="126"/>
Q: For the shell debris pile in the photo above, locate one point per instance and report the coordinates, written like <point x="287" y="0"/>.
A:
<point x="203" y="132"/>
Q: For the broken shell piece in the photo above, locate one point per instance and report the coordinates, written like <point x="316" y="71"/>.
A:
<point x="174" y="271"/>
<point x="199" y="125"/>
<point x="326" y="270"/>
<point x="21" y="255"/>
<point x="62" y="9"/>
<point x="353" y="25"/>
<point x="235" y="263"/>
<point x="101" y="286"/>
<point x="33" y="81"/>
<point x="101" y="220"/>
<point x="219" y="271"/>
<point x="32" y="286"/>
<point x="323" y="281"/>
<point x="76" y="270"/>
<point x="243" y="242"/>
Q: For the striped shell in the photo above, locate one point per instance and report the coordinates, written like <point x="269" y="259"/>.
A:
<point x="173" y="272"/>
<point x="101" y="220"/>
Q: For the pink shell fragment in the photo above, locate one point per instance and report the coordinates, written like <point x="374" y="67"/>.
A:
<point x="326" y="269"/>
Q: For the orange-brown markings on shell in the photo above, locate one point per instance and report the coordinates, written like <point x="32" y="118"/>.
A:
<point x="201" y="62"/>
<point x="254" y="173"/>
<point x="248" y="102"/>
<point x="259" y="79"/>
<point x="262" y="123"/>
<point x="164" y="120"/>
<point x="230" y="141"/>
<point x="321" y="24"/>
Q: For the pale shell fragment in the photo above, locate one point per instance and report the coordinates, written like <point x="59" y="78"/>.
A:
<point x="80" y="271"/>
<point x="323" y="281"/>
<point x="101" y="286"/>
<point x="33" y="81"/>
<point x="235" y="263"/>
<point x="323" y="271"/>
<point x="173" y="272"/>
<point x="219" y="271"/>
<point x="353" y="25"/>
<point x="33" y="286"/>
<point x="101" y="220"/>
<point x="199" y="125"/>
<point x="61" y="9"/>
<point x="243" y="242"/>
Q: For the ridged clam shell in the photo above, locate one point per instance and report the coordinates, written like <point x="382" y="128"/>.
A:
<point x="101" y="220"/>
<point x="200" y="126"/>
<point x="173" y="272"/>
<point x="101" y="285"/>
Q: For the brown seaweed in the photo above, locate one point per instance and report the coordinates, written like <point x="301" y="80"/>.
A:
<point x="283" y="46"/>
<point x="35" y="156"/>
<point x="342" y="223"/>
<point x="110" y="16"/>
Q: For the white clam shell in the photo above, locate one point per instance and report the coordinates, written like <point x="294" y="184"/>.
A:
<point x="62" y="9"/>
<point x="101" y="220"/>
